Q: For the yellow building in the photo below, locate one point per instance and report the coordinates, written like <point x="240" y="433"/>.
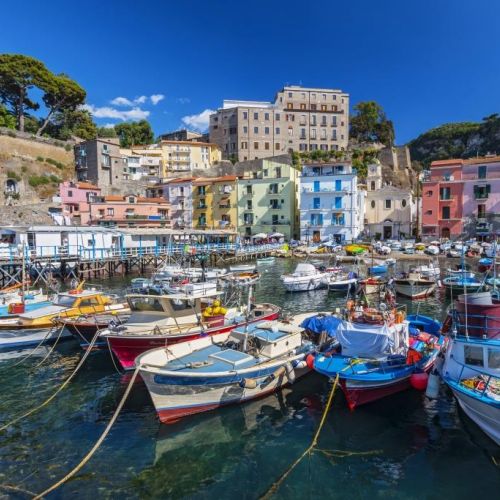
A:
<point x="143" y="163"/>
<point x="203" y="203"/>
<point x="186" y="156"/>
<point x="225" y="202"/>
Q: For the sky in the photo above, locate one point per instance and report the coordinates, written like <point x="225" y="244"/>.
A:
<point x="426" y="62"/>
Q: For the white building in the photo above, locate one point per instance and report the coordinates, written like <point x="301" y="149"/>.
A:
<point x="331" y="206"/>
<point x="390" y="211"/>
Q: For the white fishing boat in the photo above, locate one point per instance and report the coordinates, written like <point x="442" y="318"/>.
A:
<point x="210" y="372"/>
<point x="243" y="268"/>
<point x="168" y="272"/>
<point x="305" y="278"/>
<point x="432" y="250"/>
<point x="343" y="282"/>
<point x="242" y="278"/>
<point x="472" y="364"/>
<point x="414" y="286"/>
<point x="429" y="271"/>
<point x="20" y="339"/>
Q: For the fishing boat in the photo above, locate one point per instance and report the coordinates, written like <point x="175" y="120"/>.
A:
<point x="343" y="283"/>
<point x="165" y="320"/>
<point x="138" y="284"/>
<point x="414" y="286"/>
<point x="432" y="250"/>
<point x="372" y="285"/>
<point x="472" y="362"/>
<point x="459" y="282"/>
<point x="428" y="271"/>
<point x="266" y="260"/>
<point x="484" y="264"/>
<point x="166" y="273"/>
<point x="305" y="278"/>
<point x="233" y="367"/>
<point x="378" y="359"/>
<point x="73" y="303"/>
<point x="243" y="268"/>
<point x="15" y="303"/>
<point x="354" y="249"/>
<point x="379" y="269"/>
<point x="241" y="278"/>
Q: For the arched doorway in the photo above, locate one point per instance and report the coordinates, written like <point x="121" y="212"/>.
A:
<point x="387" y="229"/>
<point x="445" y="232"/>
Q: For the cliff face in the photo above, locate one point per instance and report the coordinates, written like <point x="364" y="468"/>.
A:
<point x="457" y="140"/>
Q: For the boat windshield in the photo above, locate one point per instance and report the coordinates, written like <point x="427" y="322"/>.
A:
<point x="145" y="303"/>
<point x="64" y="301"/>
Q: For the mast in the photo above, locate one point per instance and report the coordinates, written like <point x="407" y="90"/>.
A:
<point x="249" y="303"/>
<point x="23" y="275"/>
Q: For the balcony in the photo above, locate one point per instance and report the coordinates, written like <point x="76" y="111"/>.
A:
<point x="282" y="222"/>
<point x="201" y="207"/>
<point x="276" y="207"/>
<point x="248" y="193"/>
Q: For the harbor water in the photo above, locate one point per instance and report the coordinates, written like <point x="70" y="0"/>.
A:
<point x="404" y="446"/>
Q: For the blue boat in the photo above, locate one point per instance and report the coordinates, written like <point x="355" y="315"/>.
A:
<point x="379" y="360"/>
<point x="377" y="269"/>
<point x="462" y="283"/>
<point x="28" y="306"/>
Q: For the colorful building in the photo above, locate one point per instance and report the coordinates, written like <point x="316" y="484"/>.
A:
<point x="186" y="156"/>
<point x="331" y="207"/>
<point x="225" y="202"/>
<point x="461" y="196"/>
<point x="203" y="203"/>
<point x="75" y="199"/>
<point x="267" y="200"/>
<point x="143" y="163"/>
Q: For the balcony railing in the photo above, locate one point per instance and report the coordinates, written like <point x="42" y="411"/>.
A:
<point x="282" y="222"/>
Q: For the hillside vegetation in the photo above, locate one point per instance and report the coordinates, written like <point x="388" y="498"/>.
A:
<point x="457" y="140"/>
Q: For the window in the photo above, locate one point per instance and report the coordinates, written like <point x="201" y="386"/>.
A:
<point x="256" y="145"/>
<point x="265" y="172"/>
<point x="313" y="120"/>
<point x="445" y="193"/>
<point x="403" y="203"/>
<point x="70" y="194"/>
<point x="334" y="107"/>
<point x="388" y="204"/>
<point x="338" y="202"/>
<point x="429" y="193"/>
<point x="249" y="204"/>
<point x="316" y="203"/>
<point x="256" y="130"/>
<point x="445" y="213"/>
<point x="481" y="172"/>
<point x="244" y="145"/>
<point x="323" y="108"/>
<point x="278" y="172"/>
<point x="338" y="185"/>
<point x="372" y="187"/>
<point x="313" y="133"/>
<point x="289" y="105"/>
<point x="324" y="97"/>
<point x="290" y="94"/>
<point x="245" y="115"/>
<point x="266" y="116"/>
<point x="302" y="120"/>
<point x="481" y="211"/>
<point x="302" y="106"/>
<point x="274" y="204"/>
<point x="131" y="199"/>
<point x="245" y="129"/>
<point x="313" y="97"/>
<point x="266" y="130"/>
<point x="277" y="146"/>
<point x="313" y="107"/>
<point x="482" y="192"/>
<point x="266" y="145"/>
<point x="493" y="359"/>
<point x="273" y="188"/>
<point x="249" y="189"/>
<point x="111" y="211"/>
<point x="372" y="204"/>
<point x="323" y="134"/>
<point x="302" y="133"/>
<point x="106" y="161"/>
<point x="473" y="355"/>
<point x="278" y="131"/>
<point x="256" y="116"/>
<point x="277" y="117"/>
<point x="290" y="132"/>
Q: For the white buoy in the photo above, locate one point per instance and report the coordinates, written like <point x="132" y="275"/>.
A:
<point x="433" y="382"/>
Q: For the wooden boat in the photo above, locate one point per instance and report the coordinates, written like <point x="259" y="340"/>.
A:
<point x="74" y="303"/>
<point x="459" y="283"/>
<point x="170" y="271"/>
<point x="266" y="260"/>
<point x="15" y="303"/>
<point x="378" y="269"/>
<point x="165" y="320"/>
<point x="378" y="360"/>
<point x="471" y="363"/>
<point x="233" y="367"/>
<point x="343" y="283"/>
<point x="241" y="278"/>
<point x="354" y="249"/>
<point x="305" y="278"/>
<point x="414" y="286"/>
<point x="243" y="268"/>
<point x="373" y="285"/>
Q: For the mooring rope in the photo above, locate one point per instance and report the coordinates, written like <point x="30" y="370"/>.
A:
<point x="98" y="443"/>
<point x="275" y="486"/>
<point x="52" y="347"/>
<point x="61" y="387"/>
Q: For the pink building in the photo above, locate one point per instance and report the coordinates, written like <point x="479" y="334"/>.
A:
<point x="461" y="196"/>
<point x="127" y="211"/>
<point x="75" y="198"/>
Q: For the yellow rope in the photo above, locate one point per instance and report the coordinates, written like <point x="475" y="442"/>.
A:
<point x="275" y="486"/>
<point x="50" y="398"/>
<point x="89" y="455"/>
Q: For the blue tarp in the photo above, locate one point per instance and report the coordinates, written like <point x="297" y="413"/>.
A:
<point x="318" y="324"/>
<point x="424" y="323"/>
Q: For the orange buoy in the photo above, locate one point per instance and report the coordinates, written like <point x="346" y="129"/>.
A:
<point x="310" y="361"/>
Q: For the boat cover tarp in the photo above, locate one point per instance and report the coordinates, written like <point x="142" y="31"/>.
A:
<point x="318" y="324"/>
<point x="371" y="341"/>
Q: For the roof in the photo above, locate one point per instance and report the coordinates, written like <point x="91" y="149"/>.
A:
<point x="224" y="178"/>
<point x="468" y="161"/>
<point x="151" y="200"/>
<point x="113" y="197"/>
<point x="190" y="143"/>
<point x="457" y="161"/>
<point x="86" y="185"/>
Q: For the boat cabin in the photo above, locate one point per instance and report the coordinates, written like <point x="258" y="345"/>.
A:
<point x="87" y="300"/>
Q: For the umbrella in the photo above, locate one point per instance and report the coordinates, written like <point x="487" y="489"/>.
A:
<point x="259" y="236"/>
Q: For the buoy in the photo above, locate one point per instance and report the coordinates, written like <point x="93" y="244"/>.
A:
<point x="248" y="383"/>
<point x="432" y="390"/>
<point x="310" y="361"/>
<point x="419" y="381"/>
<point x="290" y="373"/>
<point x="299" y="365"/>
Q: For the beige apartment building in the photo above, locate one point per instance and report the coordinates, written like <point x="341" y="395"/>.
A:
<point x="299" y="119"/>
<point x="181" y="157"/>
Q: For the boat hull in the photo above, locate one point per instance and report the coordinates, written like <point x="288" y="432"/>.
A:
<point x="30" y="338"/>
<point x="414" y="290"/>
<point x="127" y="347"/>
<point x="175" y="401"/>
<point x="301" y="285"/>
<point x="487" y="417"/>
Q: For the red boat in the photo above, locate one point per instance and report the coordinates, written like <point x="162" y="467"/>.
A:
<point x="160" y="321"/>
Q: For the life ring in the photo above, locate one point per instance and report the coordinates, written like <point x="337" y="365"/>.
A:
<point x="75" y="291"/>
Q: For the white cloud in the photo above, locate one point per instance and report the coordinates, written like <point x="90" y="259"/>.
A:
<point x="135" y="113"/>
<point x="199" y="121"/>
<point x="156" y="98"/>
<point x="108" y="125"/>
<point x="183" y="100"/>
<point x="123" y="101"/>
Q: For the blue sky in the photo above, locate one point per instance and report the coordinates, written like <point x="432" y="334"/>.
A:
<point x="427" y="62"/>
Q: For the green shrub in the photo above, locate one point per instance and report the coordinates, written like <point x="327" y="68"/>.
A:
<point x="53" y="178"/>
<point x="11" y="134"/>
<point x="56" y="163"/>
<point x="24" y="169"/>
<point x="13" y="175"/>
<point x="38" y="180"/>
<point x="40" y="158"/>
<point x="68" y="147"/>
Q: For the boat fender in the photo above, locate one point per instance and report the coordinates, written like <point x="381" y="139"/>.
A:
<point x="432" y="390"/>
<point x="299" y="365"/>
<point x="310" y="361"/>
<point x="290" y="373"/>
<point x="248" y="383"/>
<point x="438" y="364"/>
<point x="419" y="381"/>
